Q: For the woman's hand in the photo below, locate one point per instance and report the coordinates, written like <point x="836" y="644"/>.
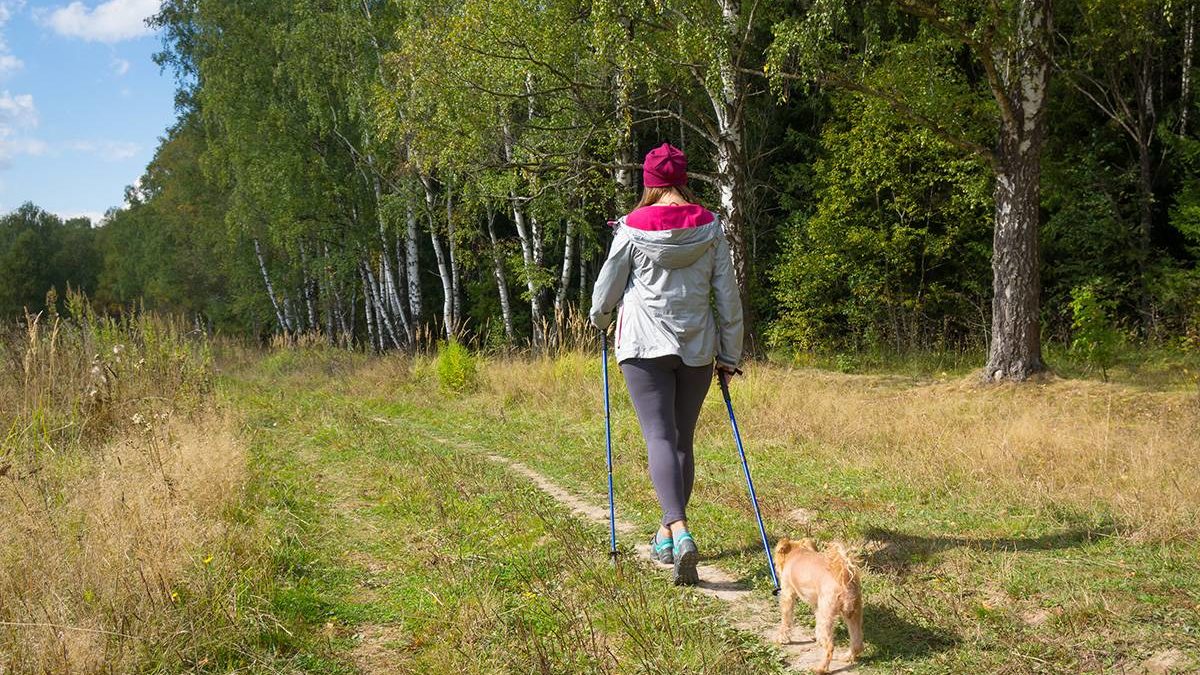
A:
<point x="726" y="373"/>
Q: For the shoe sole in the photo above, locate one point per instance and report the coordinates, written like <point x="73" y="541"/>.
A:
<point x="685" y="569"/>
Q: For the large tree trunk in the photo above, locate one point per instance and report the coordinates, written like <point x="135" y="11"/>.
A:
<point x="727" y="102"/>
<point x="1015" y="351"/>
<point x="501" y="278"/>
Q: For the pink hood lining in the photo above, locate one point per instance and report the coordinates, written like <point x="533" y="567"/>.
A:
<point x="664" y="217"/>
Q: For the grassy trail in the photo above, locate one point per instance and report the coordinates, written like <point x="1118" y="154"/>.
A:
<point x="400" y="548"/>
<point x="393" y="553"/>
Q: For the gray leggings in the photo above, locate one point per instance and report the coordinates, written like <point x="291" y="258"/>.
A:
<point x="667" y="395"/>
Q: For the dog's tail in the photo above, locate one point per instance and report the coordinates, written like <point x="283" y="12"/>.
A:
<point x="846" y="570"/>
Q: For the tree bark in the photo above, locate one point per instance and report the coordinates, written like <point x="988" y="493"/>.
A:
<point x="455" y="277"/>
<point x="501" y="279"/>
<point x="1185" y="76"/>
<point x="623" y="176"/>
<point x="1015" y="351"/>
<point x="727" y="103"/>
<point x="529" y="253"/>
<point x="440" y="256"/>
<point x="262" y="266"/>
<point x="369" y="312"/>
<point x="564" y="277"/>
<point x="310" y="301"/>
<point x="412" y="271"/>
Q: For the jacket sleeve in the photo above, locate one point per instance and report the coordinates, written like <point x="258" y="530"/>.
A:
<point x="611" y="282"/>
<point x="728" y="304"/>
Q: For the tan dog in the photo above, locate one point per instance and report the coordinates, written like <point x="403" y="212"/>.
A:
<point x="829" y="582"/>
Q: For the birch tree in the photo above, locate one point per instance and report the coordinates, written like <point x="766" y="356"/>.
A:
<point x="1010" y="48"/>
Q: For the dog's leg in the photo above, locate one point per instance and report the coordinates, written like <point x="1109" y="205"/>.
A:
<point x="787" y="607"/>
<point x="826" y="618"/>
<point x="854" y="624"/>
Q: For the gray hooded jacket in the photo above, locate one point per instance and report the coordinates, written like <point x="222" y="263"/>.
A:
<point x="668" y="283"/>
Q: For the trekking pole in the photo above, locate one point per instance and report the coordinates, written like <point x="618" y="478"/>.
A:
<point x="737" y="438"/>
<point x="612" y="507"/>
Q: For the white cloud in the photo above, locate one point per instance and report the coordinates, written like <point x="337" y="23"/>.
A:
<point x="16" y="111"/>
<point x="110" y="21"/>
<point x="8" y="8"/>
<point x="8" y="63"/>
<point x="120" y="67"/>
<point x="109" y="151"/>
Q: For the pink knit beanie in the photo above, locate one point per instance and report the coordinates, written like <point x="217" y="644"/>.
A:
<point x="665" y="165"/>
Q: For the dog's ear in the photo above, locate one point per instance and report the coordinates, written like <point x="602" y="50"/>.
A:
<point x="783" y="546"/>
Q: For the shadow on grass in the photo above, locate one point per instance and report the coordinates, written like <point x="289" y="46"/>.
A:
<point x="901" y="551"/>
<point x="891" y="637"/>
<point x="747" y="550"/>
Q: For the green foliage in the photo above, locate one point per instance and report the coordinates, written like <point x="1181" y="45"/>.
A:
<point x="895" y="250"/>
<point x="38" y="251"/>
<point x="456" y="368"/>
<point x="1095" y="338"/>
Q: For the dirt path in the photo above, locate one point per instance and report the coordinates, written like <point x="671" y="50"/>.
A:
<point x="746" y="610"/>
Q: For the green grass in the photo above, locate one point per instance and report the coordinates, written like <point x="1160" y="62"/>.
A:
<point x="958" y="582"/>
<point x="394" y="545"/>
<point x="1146" y="366"/>
<point x="389" y="550"/>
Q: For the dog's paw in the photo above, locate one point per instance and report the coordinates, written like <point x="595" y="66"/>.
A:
<point x="783" y="637"/>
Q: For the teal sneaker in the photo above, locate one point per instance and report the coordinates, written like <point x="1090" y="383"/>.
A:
<point x="663" y="550"/>
<point x="686" y="558"/>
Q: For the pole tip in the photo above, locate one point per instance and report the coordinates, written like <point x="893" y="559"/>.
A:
<point x="776" y="591"/>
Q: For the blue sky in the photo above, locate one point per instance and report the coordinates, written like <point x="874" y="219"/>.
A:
<point x="82" y="105"/>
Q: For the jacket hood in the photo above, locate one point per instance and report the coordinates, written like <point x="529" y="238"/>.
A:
<point x="674" y="248"/>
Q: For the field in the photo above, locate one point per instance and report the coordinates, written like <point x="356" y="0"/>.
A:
<point x="316" y="510"/>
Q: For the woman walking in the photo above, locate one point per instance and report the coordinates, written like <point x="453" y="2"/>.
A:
<point x="668" y="267"/>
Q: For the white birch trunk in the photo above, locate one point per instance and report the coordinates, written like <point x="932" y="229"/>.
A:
<point x="527" y="250"/>
<point x="1014" y="352"/>
<point x="412" y="265"/>
<point x="262" y="266"/>
<point x="501" y="278"/>
<point x="564" y="277"/>
<point x="310" y="302"/>
<point x="442" y="265"/>
<point x="369" y="313"/>
<point x="1189" y="46"/>
<point x="455" y="278"/>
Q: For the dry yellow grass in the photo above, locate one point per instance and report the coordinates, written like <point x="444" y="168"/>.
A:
<point x="97" y="544"/>
<point x="1093" y="446"/>
<point x="115" y="472"/>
